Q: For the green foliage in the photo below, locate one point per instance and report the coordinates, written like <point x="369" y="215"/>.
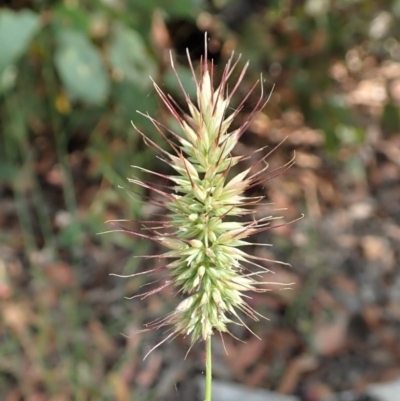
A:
<point x="16" y="32"/>
<point x="129" y="57"/>
<point x="81" y="68"/>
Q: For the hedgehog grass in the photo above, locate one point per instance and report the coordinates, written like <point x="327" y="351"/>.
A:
<point x="203" y="232"/>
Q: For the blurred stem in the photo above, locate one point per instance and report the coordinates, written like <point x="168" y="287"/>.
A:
<point x="43" y="213"/>
<point x="61" y="142"/>
<point x="208" y="369"/>
<point x="17" y="154"/>
<point x="24" y="219"/>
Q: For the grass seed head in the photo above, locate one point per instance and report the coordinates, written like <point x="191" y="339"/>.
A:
<point x="208" y="268"/>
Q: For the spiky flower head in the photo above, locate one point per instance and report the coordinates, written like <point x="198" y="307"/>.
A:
<point x="203" y="232"/>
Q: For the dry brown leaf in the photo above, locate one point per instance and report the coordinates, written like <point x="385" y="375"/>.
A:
<point x="378" y="249"/>
<point x="148" y="375"/>
<point x="258" y="376"/>
<point x="307" y="160"/>
<point x="161" y="37"/>
<point x="330" y="337"/>
<point x="16" y="316"/>
<point x="13" y="395"/>
<point x="121" y="389"/>
<point x="60" y="274"/>
<point x="101" y="338"/>
<point x="297" y="367"/>
<point x="248" y="353"/>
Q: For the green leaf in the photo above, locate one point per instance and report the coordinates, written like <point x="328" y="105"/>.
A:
<point x="71" y="15"/>
<point x="129" y="57"/>
<point x="81" y="68"/>
<point x="8" y="171"/>
<point x="16" y="32"/>
<point x="174" y="8"/>
<point x="349" y="135"/>
<point x="390" y="119"/>
<point x="129" y="98"/>
<point x="70" y="235"/>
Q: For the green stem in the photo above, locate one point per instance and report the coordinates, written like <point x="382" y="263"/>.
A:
<point x="208" y="369"/>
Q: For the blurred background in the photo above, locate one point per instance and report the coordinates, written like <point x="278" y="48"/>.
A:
<point x="72" y="75"/>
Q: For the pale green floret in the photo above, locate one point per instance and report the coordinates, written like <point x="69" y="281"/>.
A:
<point x="196" y="243"/>
<point x="172" y="243"/>
<point x="190" y="134"/>
<point x="193" y="217"/>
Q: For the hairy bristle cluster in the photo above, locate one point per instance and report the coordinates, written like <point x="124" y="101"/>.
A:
<point x="203" y="238"/>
